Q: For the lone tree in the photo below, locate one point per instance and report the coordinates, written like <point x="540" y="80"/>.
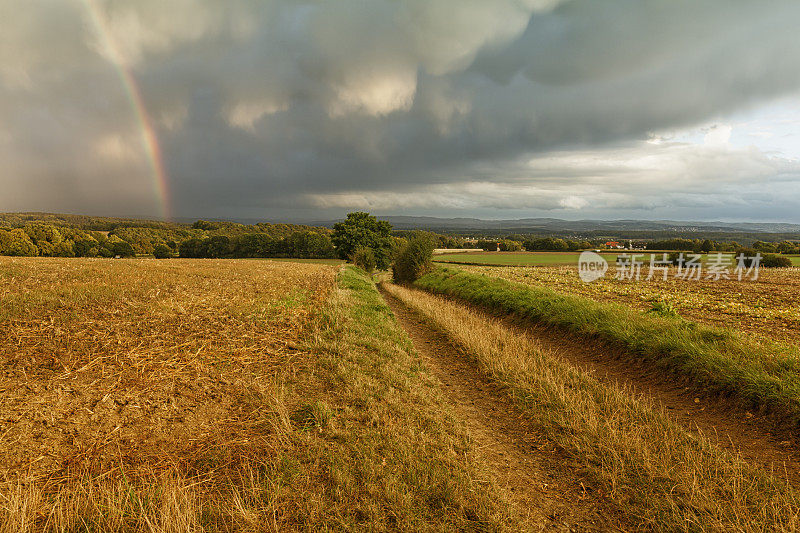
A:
<point x="364" y="230"/>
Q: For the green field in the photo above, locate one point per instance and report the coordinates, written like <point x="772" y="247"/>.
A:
<point x="517" y="258"/>
<point x="296" y="260"/>
<point x="538" y="258"/>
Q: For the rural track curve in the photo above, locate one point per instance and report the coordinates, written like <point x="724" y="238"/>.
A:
<point x="543" y="483"/>
<point x="755" y="437"/>
<point x="752" y="435"/>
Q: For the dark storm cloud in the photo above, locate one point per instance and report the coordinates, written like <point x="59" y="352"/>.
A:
<point x="414" y="104"/>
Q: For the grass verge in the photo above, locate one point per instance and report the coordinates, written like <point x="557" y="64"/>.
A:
<point x="394" y="456"/>
<point x="665" y="478"/>
<point x="759" y="376"/>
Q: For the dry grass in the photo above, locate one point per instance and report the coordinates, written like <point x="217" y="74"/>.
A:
<point x="755" y="374"/>
<point x="221" y="395"/>
<point x="666" y="478"/>
<point x="124" y="382"/>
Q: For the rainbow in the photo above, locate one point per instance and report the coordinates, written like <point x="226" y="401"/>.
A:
<point x="160" y="182"/>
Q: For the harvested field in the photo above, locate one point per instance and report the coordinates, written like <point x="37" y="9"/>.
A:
<point x="237" y="395"/>
<point x="146" y="370"/>
<point x="154" y="359"/>
<point x="766" y="307"/>
<point x="223" y="395"/>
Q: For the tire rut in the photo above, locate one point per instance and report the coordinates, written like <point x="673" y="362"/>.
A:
<point x="754" y="436"/>
<point x="546" y="486"/>
<point x="751" y="435"/>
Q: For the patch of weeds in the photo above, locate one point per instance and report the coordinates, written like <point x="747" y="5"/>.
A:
<point x="273" y="309"/>
<point x="663" y="308"/>
<point x="312" y="415"/>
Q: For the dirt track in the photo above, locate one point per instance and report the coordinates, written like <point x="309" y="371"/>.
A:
<point x="545" y="485"/>
<point x="753" y="436"/>
<point x="543" y="482"/>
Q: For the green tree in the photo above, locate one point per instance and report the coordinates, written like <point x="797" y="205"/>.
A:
<point x="547" y="244"/>
<point x="251" y="245"/>
<point x="767" y="247"/>
<point x="162" y="251"/>
<point x="86" y="247"/>
<point x="508" y="245"/>
<point x="364" y="258"/>
<point x="45" y="237"/>
<point x="218" y="246"/>
<point x="123" y="249"/>
<point x="105" y="251"/>
<point x="205" y="225"/>
<point x="775" y="261"/>
<point x="64" y="249"/>
<point x="192" y="248"/>
<point x="309" y="244"/>
<point x="17" y="242"/>
<point x="363" y="229"/>
<point x="413" y="260"/>
<point x="114" y="246"/>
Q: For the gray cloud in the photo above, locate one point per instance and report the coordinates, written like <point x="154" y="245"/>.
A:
<point x="414" y="105"/>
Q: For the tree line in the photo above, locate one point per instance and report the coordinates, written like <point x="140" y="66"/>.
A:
<point x="34" y="234"/>
<point x="543" y="244"/>
<point x="707" y="245"/>
<point x="300" y="244"/>
<point x="554" y="244"/>
<point x="201" y="239"/>
<point x="51" y="241"/>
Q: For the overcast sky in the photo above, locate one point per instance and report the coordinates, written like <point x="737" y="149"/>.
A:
<point x="680" y="109"/>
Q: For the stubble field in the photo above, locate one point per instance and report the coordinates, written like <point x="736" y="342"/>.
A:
<point x="150" y="359"/>
<point x="222" y="395"/>
<point x="236" y="395"/>
<point x="766" y="307"/>
<point x="141" y="371"/>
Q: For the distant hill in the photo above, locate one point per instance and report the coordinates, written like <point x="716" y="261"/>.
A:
<point x="742" y="232"/>
<point x="77" y="221"/>
<point x="558" y="225"/>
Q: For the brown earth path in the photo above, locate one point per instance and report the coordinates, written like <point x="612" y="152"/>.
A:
<point x="545" y="485"/>
<point x="755" y="436"/>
